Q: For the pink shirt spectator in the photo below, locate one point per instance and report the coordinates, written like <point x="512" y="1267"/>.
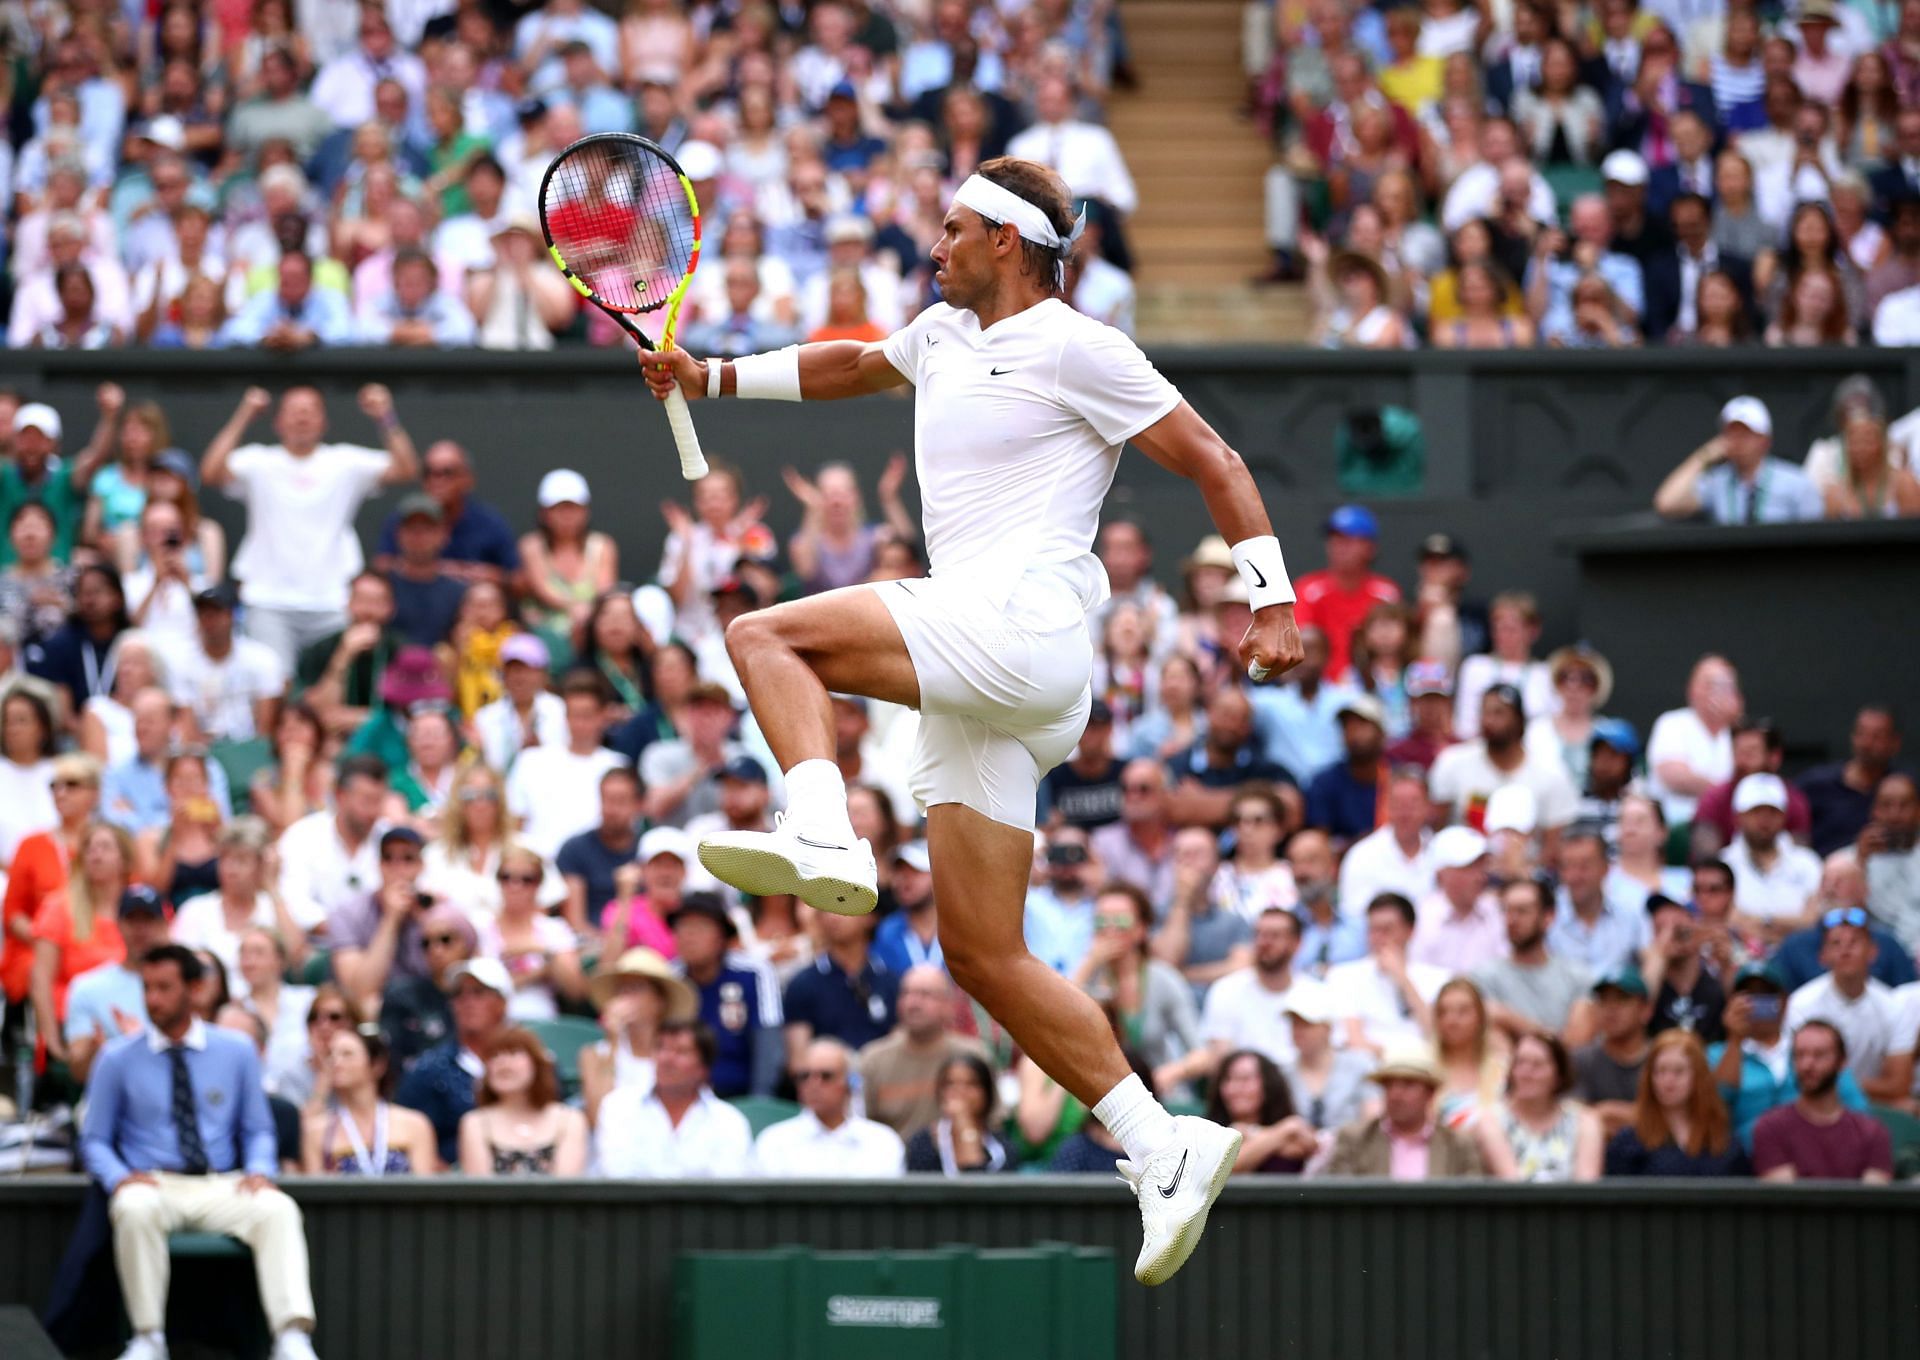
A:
<point x="1408" y="1161"/>
<point x="1458" y="944"/>
<point x="643" y="926"/>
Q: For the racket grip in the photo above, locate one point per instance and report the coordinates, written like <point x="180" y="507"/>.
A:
<point x="693" y="463"/>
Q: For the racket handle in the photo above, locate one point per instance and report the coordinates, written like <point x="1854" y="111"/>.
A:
<point x="693" y="463"/>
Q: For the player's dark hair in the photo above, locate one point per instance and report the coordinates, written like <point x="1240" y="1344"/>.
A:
<point x="1044" y="189"/>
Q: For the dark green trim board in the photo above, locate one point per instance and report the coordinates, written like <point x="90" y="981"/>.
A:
<point x="468" y="1270"/>
<point x="1521" y="449"/>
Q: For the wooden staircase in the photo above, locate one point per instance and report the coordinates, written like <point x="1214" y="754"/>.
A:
<point x="1199" y="235"/>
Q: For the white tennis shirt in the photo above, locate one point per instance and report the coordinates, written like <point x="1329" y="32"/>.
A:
<point x="1017" y="431"/>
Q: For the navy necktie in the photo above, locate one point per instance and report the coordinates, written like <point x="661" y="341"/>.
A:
<point x="186" y="1118"/>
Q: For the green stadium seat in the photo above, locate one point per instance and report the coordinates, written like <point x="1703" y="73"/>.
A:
<point x="763" y="1110"/>
<point x="564" y="1038"/>
<point x="242" y="760"/>
<point x="1904" y="1129"/>
<point x="1568" y="182"/>
<point x="205" y="1246"/>
<point x="317" y="969"/>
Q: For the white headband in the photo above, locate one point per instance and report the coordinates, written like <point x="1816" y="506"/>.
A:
<point x="999" y="204"/>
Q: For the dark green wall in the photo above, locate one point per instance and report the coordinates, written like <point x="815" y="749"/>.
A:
<point x="1521" y="447"/>
<point x="412" y="1270"/>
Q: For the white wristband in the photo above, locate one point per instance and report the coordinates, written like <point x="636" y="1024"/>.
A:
<point x="768" y="377"/>
<point x="713" y="379"/>
<point x="1264" y="570"/>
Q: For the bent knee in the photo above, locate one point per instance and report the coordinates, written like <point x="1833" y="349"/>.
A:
<point x="752" y="632"/>
<point x="137" y="1203"/>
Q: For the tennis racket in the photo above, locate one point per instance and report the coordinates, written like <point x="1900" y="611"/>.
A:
<point x="622" y="223"/>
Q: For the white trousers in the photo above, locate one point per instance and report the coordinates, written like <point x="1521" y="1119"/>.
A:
<point x="266" y="1220"/>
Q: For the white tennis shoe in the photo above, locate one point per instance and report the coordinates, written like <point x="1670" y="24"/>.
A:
<point x="1176" y="1187"/>
<point x="831" y="877"/>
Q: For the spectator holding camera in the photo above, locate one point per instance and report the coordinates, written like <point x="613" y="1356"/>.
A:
<point x="377" y="937"/>
<point x="1754" y="1066"/>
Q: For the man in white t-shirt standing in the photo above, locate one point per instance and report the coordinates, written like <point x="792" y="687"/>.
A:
<point x="555" y="790"/>
<point x="1023" y="407"/>
<point x="1691" y="749"/>
<point x="1465" y="776"/>
<point x="300" y="552"/>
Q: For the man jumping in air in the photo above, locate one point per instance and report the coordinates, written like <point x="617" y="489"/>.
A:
<point x="1022" y="408"/>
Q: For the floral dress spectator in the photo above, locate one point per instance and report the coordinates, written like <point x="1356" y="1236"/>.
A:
<point x="1537" y="1134"/>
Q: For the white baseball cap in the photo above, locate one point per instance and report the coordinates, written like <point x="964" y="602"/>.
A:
<point x="1750" y="412"/>
<point x="1624" y="167"/>
<point x="488" y="972"/>
<point x="1512" y="808"/>
<point x="701" y="160"/>
<point x="1758" y="791"/>
<point x="1455" y="847"/>
<point x="37" y="415"/>
<point x="666" y="840"/>
<point x="564" y="486"/>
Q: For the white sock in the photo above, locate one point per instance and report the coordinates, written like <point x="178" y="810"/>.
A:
<point x="817" y="800"/>
<point x="1133" y="1116"/>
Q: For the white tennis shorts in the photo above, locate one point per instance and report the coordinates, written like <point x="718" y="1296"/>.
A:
<point x="1004" y="691"/>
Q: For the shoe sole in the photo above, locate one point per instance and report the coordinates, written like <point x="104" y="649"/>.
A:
<point x="766" y="873"/>
<point x="1174" y="1255"/>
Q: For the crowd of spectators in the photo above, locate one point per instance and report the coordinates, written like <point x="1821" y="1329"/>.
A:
<point x="403" y="802"/>
<point x="288" y="175"/>
<point x="1514" y="173"/>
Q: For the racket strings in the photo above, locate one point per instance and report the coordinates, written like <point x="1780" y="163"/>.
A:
<point x="619" y="217"/>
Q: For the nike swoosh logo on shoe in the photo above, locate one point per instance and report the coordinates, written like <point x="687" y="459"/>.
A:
<point x="821" y="845"/>
<point x="1166" y="1191"/>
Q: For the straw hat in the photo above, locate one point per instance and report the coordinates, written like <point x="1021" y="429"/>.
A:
<point x="644" y="963"/>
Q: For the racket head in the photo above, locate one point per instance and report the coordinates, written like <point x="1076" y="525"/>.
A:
<point x="623" y="224"/>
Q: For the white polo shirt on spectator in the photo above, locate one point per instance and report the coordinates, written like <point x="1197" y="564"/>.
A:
<point x="1241" y="1013"/>
<point x="1896" y="321"/>
<point x="803" y="1147"/>
<point x="1780" y="892"/>
<point x="503" y="736"/>
<point x="556" y="794"/>
<point x="300" y="550"/>
<point x="1680" y="734"/>
<point x="221" y="693"/>
<point x="637" y="1141"/>
<point x="1086" y="157"/>
<point x="1877" y="1025"/>
<point x="1375" y="864"/>
<point x="1361" y="991"/>
<point x="1465" y="778"/>
<point x="318" y="874"/>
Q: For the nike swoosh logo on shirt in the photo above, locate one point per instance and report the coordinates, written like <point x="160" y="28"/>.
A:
<point x="998" y="372"/>
<point x="1166" y="1191"/>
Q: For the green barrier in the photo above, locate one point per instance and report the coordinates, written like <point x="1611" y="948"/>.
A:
<point x="952" y="1303"/>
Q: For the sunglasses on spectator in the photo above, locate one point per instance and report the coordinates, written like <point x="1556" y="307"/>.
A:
<point x="446" y="470"/>
<point x="1845" y="916"/>
<point x="507" y="876"/>
<point x="60" y="784"/>
<point x="486" y="795"/>
<point x="326" y="1017"/>
<point x="441" y="940"/>
<point x="1584" y="679"/>
<point x="819" y="1074"/>
<point x="1113" y="920"/>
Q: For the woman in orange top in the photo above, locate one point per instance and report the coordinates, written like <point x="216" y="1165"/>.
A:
<point x="40" y="866"/>
<point x="79" y="927"/>
<point x="847" y="310"/>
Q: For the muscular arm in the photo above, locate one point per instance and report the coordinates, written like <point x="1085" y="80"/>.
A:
<point x="829" y="371"/>
<point x="1184" y="444"/>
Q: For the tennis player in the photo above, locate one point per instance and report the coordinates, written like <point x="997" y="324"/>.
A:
<point x="1023" y="406"/>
